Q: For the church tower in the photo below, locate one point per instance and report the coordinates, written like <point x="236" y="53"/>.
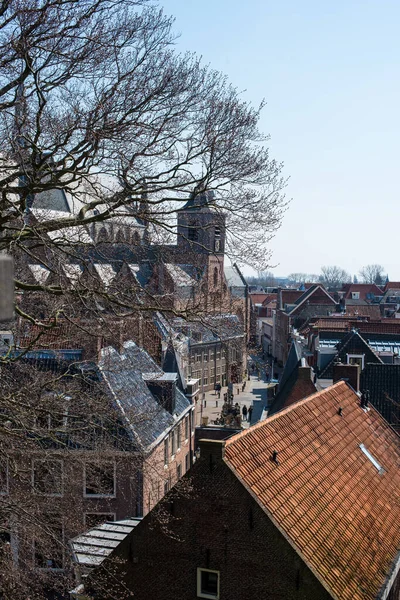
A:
<point x="201" y="229"/>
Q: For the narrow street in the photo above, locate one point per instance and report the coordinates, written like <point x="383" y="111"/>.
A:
<point x="255" y="394"/>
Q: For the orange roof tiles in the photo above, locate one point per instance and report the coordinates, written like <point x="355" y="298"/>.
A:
<point x="326" y="495"/>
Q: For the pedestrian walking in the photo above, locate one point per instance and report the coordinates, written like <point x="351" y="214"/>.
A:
<point x="244" y="412"/>
<point x="249" y="413"/>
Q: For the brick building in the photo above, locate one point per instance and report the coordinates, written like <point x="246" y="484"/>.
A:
<point x="301" y="506"/>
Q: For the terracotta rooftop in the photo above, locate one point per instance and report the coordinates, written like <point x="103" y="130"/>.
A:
<point x="258" y="298"/>
<point x="331" y="501"/>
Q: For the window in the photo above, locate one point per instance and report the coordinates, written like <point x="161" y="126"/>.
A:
<point x="47" y="477"/>
<point x="173" y="442"/>
<point x="356" y="359"/>
<point x="205" y="356"/>
<point x="91" y="520"/>
<point x="193" y="232"/>
<point x="207" y="583"/>
<point x="198" y="356"/>
<point x="218" y="370"/>
<point x="192" y="358"/>
<point x="205" y="378"/>
<point x="178" y="436"/>
<point x="212" y="372"/>
<point x="186" y="427"/>
<point x="355" y="295"/>
<point x="218" y="353"/>
<point x="166" y="451"/>
<point x="215" y="276"/>
<point x="187" y="462"/>
<point x="212" y="354"/>
<point x="48" y="550"/>
<point x="217" y="233"/>
<point x="223" y="369"/>
<point x="178" y="471"/>
<point x="166" y="486"/>
<point x="99" y="480"/>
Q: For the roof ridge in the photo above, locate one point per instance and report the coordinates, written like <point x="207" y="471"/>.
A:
<point x="293" y="406"/>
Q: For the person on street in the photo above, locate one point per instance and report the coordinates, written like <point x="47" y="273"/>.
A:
<point x="249" y="413"/>
<point x="244" y="412"/>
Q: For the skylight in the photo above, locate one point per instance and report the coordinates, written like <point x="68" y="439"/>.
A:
<point x="368" y="454"/>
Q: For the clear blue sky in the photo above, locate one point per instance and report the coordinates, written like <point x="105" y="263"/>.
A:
<point x="330" y="74"/>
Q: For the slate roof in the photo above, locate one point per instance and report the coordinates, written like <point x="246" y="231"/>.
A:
<point x="352" y="343"/>
<point x="337" y="509"/>
<point x="91" y="548"/>
<point x="233" y="277"/>
<point x="383" y="383"/>
<point x="200" y="201"/>
<point x="292" y="386"/>
<point x="123" y="374"/>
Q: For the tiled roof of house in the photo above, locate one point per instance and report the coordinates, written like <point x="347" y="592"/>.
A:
<point x="271" y="298"/>
<point x="392" y="285"/>
<point x="362" y="288"/>
<point x="366" y="310"/>
<point x="326" y="492"/>
<point x="258" y="298"/>
<point x="288" y="297"/>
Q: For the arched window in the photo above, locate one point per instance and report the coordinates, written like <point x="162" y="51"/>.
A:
<point x="193" y="231"/>
<point x="215" y="276"/>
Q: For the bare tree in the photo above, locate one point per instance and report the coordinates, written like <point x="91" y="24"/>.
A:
<point x="373" y="274"/>
<point x="333" y="277"/>
<point x="103" y="126"/>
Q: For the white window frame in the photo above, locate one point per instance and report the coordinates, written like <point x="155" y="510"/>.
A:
<point x="201" y="594"/>
<point x="362" y="356"/>
<point x="50" y="460"/>
<point x="114" y="495"/>
<point x="355" y="295"/>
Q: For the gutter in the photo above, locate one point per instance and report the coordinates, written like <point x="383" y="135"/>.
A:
<point x="390" y="579"/>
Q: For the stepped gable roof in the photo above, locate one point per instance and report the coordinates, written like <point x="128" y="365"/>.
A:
<point x="383" y="383"/>
<point x="123" y="375"/>
<point x="334" y="490"/>
<point x="352" y="343"/>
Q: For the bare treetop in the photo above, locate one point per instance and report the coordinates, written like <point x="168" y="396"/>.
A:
<point x="96" y="88"/>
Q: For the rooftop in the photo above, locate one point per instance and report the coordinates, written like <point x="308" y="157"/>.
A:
<point x="325" y="491"/>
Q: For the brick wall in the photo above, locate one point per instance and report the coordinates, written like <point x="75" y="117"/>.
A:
<point x="213" y="524"/>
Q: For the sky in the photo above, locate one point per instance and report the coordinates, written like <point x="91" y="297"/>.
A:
<point x="329" y="72"/>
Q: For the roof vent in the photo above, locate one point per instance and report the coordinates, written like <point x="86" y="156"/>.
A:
<point x="340" y="411"/>
<point x="372" y="459"/>
<point x="274" y="457"/>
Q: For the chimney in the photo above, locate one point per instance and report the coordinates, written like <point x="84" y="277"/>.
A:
<point x="349" y="373"/>
<point x="305" y="374"/>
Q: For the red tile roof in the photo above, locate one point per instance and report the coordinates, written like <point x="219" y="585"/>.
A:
<point x="392" y="285"/>
<point x="258" y="298"/>
<point x="289" y="296"/>
<point x="325" y="495"/>
<point x="270" y="298"/>
<point x="362" y="288"/>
